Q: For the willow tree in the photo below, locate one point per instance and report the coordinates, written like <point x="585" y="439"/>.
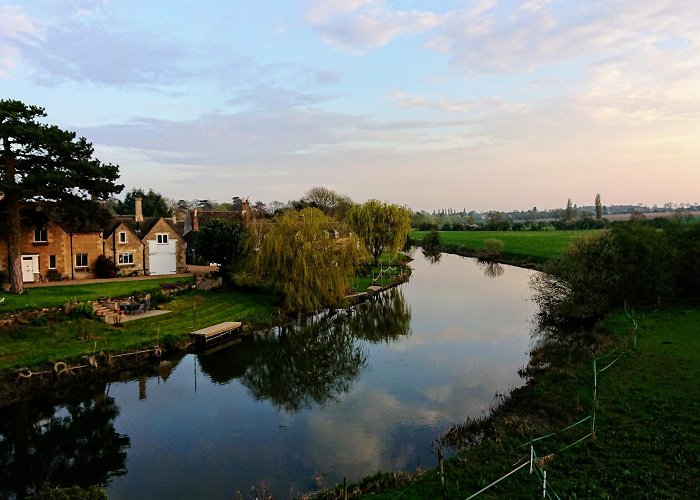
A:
<point x="382" y="227"/>
<point x="44" y="164"/>
<point x="298" y="256"/>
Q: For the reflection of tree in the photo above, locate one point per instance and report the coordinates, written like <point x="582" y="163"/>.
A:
<point x="433" y="256"/>
<point x="491" y="269"/>
<point x="314" y="360"/>
<point x="72" y="442"/>
<point x="383" y="318"/>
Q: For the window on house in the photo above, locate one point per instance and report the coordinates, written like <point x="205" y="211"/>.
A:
<point x="126" y="258"/>
<point x="81" y="260"/>
<point x="162" y="239"/>
<point x="122" y="237"/>
<point x="52" y="262"/>
<point x="41" y="236"/>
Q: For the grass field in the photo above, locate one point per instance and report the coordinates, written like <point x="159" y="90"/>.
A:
<point x="52" y="341"/>
<point x="52" y="296"/>
<point x="519" y="246"/>
<point x="646" y="444"/>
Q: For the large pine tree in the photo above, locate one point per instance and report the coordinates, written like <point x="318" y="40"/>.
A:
<point x="44" y="164"/>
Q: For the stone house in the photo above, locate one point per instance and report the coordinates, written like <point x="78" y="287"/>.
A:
<point x="145" y="245"/>
<point x="49" y="250"/>
<point x="136" y="244"/>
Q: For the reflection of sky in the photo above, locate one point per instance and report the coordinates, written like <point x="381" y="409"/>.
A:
<point x="469" y="335"/>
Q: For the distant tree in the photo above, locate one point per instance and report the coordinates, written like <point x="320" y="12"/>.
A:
<point x="598" y="207"/>
<point x="569" y="213"/>
<point x="44" y="164"/>
<point x="152" y="204"/>
<point x="294" y="255"/>
<point x="259" y="210"/>
<point x="236" y="204"/>
<point x="382" y="227"/>
<point x="205" y="204"/>
<point x="221" y="241"/>
<point x="329" y="202"/>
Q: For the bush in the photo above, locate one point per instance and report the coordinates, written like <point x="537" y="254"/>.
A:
<point x="493" y="249"/>
<point x="629" y="263"/>
<point x="104" y="267"/>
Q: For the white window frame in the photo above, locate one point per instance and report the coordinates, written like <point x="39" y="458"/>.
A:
<point x="126" y="258"/>
<point x="54" y="262"/>
<point x="45" y="234"/>
<point x="162" y="238"/>
<point x="122" y="237"/>
<point x="77" y="265"/>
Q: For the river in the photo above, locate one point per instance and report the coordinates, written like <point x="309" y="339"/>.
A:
<point x="338" y="395"/>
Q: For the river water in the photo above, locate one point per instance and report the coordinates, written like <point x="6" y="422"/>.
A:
<point x="334" y="396"/>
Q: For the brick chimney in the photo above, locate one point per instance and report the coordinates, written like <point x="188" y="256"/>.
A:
<point x="195" y="220"/>
<point x="245" y="210"/>
<point x="139" y="210"/>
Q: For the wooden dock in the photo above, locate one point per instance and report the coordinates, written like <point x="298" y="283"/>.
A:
<point x="215" y="334"/>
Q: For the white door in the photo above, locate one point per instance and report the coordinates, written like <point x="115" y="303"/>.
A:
<point x="30" y="265"/>
<point x="162" y="257"/>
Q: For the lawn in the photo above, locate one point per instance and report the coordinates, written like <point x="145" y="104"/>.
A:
<point x="52" y="296"/>
<point x="519" y="246"/>
<point x="647" y="442"/>
<point x="47" y="341"/>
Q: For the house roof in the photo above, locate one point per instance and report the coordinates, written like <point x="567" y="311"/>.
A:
<point x="140" y="229"/>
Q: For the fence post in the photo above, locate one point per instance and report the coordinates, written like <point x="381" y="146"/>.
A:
<point x="345" y="489"/>
<point x="442" y="473"/>
<point x="595" y="397"/>
<point x="544" y="484"/>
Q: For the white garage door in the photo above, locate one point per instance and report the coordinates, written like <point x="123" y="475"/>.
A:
<point x="162" y="258"/>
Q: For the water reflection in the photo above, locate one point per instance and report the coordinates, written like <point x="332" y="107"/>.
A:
<point x="431" y="255"/>
<point x="491" y="269"/>
<point x="67" y="441"/>
<point x="314" y="360"/>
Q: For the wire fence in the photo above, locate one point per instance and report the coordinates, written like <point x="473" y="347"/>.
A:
<point x="537" y="462"/>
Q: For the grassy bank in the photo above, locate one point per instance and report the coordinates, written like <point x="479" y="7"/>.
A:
<point x="54" y="296"/>
<point x="646" y="442"/>
<point x="520" y="247"/>
<point x="50" y="340"/>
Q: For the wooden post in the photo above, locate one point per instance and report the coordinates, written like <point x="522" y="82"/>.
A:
<point x="442" y="473"/>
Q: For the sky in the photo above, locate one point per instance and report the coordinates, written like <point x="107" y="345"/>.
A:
<point x="476" y="104"/>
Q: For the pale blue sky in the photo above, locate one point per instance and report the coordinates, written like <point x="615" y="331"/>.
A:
<point x="484" y="104"/>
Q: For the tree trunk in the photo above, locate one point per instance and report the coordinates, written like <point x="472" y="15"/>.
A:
<point x="14" y="244"/>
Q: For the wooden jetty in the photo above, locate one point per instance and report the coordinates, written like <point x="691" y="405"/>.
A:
<point x="215" y="334"/>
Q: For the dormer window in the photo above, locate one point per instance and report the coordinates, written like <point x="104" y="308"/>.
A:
<point x="41" y="236"/>
<point x="122" y="237"/>
<point x="162" y="238"/>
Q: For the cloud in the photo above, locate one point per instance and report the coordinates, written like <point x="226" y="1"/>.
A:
<point x="15" y="27"/>
<point x="92" y="53"/>
<point x="361" y="25"/>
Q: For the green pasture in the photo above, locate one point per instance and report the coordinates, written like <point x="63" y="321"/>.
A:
<point x="46" y="340"/>
<point x="519" y="246"/>
<point x="53" y="296"/>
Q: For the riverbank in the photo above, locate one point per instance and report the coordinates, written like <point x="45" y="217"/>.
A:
<point x="42" y="340"/>
<point x="645" y="443"/>
<point x="529" y="249"/>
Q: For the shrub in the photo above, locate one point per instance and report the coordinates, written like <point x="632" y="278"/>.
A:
<point x="493" y="249"/>
<point x="104" y="267"/>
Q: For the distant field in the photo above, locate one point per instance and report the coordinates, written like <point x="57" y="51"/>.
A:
<point x="519" y="246"/>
